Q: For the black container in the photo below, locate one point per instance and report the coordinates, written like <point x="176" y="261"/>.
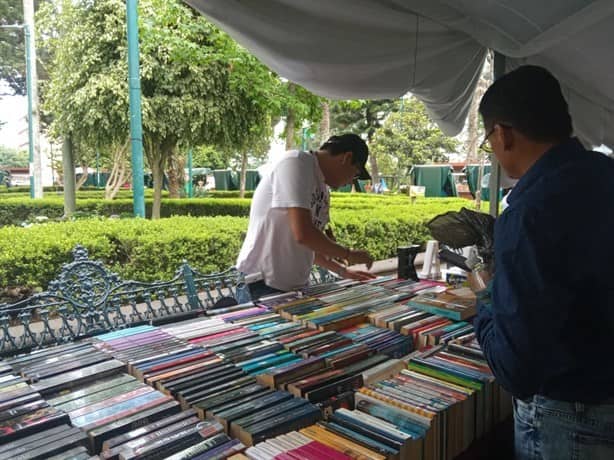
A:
<point x="406" y="256"/>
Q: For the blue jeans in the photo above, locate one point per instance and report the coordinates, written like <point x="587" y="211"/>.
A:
<point x="546" y="429"/>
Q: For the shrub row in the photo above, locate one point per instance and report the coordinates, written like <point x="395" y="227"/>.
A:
<point x="151" y="250"/>
<point x="15" y="210"/>
<point x="137" y="249"/>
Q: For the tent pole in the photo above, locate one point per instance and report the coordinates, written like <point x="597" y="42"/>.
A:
<point x="495" y="169"/>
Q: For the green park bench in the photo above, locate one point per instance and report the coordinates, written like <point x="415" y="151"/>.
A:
<point x="87" y="299"/>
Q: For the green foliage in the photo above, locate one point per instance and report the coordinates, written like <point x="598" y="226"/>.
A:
<point x="198" y="86"/>
<point x="207" y="156"/>
<point x="152" y="250"/>
<point x="11" y="157"/>
<point x="12" y="47"/>
<point x="409" y="137"/>
<point x="14" y="211"/>
<point x="301" y="109"/>
<point x="362" y="117"/>
<point x="134" y="248"/>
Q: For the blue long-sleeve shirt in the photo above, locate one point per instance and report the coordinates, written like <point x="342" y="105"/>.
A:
<point x="549" y="324"/>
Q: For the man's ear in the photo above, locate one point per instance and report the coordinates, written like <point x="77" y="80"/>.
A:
<point x="505" y="136"/>
<point x="347" y="158"/>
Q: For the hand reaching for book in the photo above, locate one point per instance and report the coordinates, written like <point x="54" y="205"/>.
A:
<point x="359" y="257"/>
<point x="358" y="275"/>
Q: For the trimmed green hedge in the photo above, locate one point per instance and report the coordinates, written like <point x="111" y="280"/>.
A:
<point x="13" y="211"/>
<point x="137" y="249"/>
<point x="150" y="250"/>
<point x="26" y="189"/>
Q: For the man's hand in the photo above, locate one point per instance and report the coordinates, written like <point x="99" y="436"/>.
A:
<point x="359" y="257"/>
<point x="358" y="275"/>
<point x="478" y="280"/>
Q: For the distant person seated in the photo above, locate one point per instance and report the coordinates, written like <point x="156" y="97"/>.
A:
<point x="200" y="188"/>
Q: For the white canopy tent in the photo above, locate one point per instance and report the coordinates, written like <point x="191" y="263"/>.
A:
<point x="435" y="49"/>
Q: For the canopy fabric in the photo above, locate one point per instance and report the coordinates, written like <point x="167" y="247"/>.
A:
<point x="437" y="180"/>
<point x="473" y="172"/>
<point x="433" y="48"/>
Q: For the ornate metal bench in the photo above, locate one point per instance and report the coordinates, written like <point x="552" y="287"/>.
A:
<point x="87" y="299"/>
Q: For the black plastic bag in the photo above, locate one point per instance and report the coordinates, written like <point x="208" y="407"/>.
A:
<point x="458" y="229"/>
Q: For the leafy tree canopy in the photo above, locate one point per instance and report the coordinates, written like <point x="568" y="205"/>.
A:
<point x="12" y="57"/>
<point x="362" y="117"/>
<point x="11" y="157"/>
<point x="198" y="86"/>
<point x="410" y="137"/>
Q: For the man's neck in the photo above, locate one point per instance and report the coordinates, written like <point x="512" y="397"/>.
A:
<point x="533" y="152"/>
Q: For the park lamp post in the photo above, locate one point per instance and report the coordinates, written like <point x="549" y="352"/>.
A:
<point x="136" y="125"/>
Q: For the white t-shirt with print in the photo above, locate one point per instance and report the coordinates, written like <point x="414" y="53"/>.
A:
<point x="270" y="249"/>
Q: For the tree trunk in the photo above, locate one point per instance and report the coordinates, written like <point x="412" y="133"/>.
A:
<point x="243" y="174"/>
<point x="176" y="174"/>
<point x="478" y="189"/>
<point x="325" y="122"/>
<point x="372" y="155"/>
<point x="157" y="170"/>
<point x="473" y="126"/>
<point x="121" y="179"/>
<point x="118" y="172"/>
<point x="68" y="169"/>
<point x="83" y="179"/>
<point x="290" y="127"/>
<point x="157" y="154"/>
<point x="290" y="122"/>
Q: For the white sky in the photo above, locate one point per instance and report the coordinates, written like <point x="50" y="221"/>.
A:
<point x="13" y="110"/>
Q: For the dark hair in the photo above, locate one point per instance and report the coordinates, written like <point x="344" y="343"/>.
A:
<point x="336" y="145"/>
<point x="530" y="100"/>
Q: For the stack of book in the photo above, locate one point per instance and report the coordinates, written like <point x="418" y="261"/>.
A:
<point x="139" y="343"/>
<point x="338" y="308"/>
<point x="321" y="289"/>
<point x="383" y="341"/>
<point x="234" y="342"/>
<point x="179" y="436"/>
<point x="293" y="446"/>
<point x="23" y="411"/>
<point x="457" y="304"/>
<point x="409" y="286"/>
<point x="326" y="434"/>
<point x="444" y="400"/>
<point x="109" y="406"/>
<point x="423" y="327"/>
<point x="291" y="414"/>
<point x="56" y="443"/>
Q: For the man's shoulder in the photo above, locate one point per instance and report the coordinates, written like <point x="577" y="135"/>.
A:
<point x="296" y="158"/>
<point x="297" y="155"/>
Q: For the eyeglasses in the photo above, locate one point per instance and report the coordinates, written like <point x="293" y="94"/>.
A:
<point x="485" y="145"/>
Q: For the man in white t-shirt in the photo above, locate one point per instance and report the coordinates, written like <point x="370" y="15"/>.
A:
<point x="289" y="212"/>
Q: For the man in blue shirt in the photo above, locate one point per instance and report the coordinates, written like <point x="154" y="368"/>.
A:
<point x="546" y="322"/>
